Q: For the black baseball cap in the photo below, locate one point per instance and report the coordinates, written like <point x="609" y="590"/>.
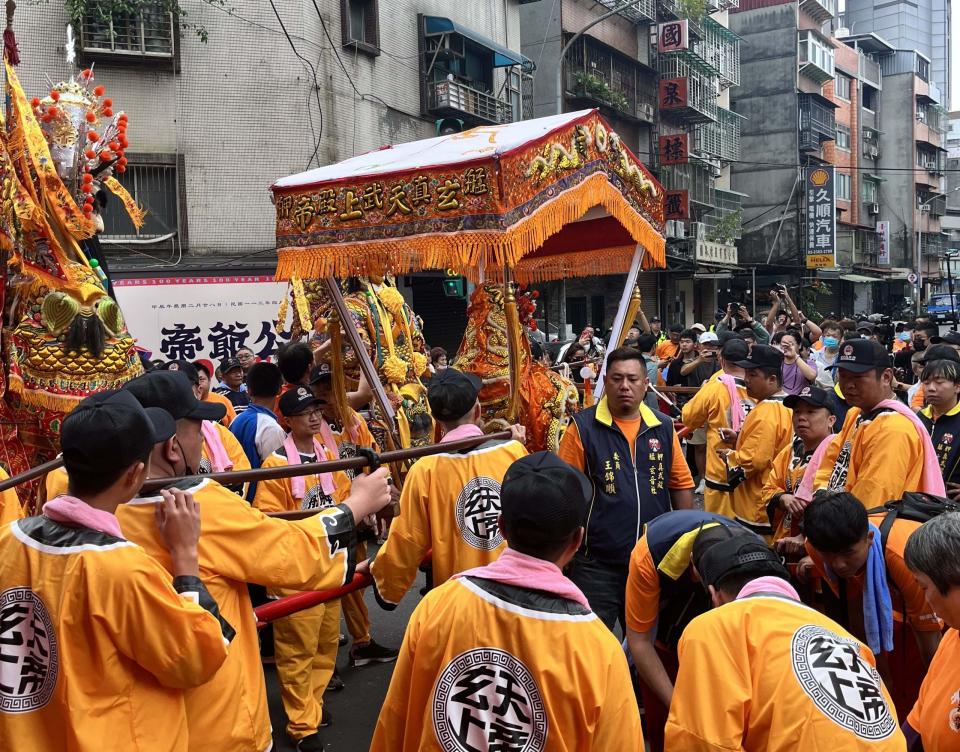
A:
<point x="452" y="394"/>
<point x="186" y="368"/>
<point x="938" y="352"/>
<point x="739" y="555"/>
<point x="543" y="498"/>
<point x="866" y="326"/>
<point x="110" y="430"/>
<point x="762" y="356"/>
<point x="172" y="391"/>
<point x="295" y="401"/>
<point x="861" y="355"/>
<point x="812" y="395"/>
<point x="228" y="364"/>
<point x="735" y="349"/>
<point x="320" y="373"/>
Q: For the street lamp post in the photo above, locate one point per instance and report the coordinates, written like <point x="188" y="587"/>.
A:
<point x="575" y="37"/>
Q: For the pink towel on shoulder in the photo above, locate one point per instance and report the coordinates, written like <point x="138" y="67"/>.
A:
<point x="216" y="451"/>
<point x="298" y="485"/>
<point x="931" y="480"/>
<point x="74" y="511"/>
<point x="736" y="406"/>
<point x="528" y="572"/>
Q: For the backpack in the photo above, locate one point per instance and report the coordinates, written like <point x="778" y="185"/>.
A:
<point x="915" y="506"/>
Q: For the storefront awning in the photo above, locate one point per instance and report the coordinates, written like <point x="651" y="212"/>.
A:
<point x="858" y="278"/>
<point x="502" y="57"/>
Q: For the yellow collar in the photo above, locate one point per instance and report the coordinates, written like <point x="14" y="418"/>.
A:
<point x="604" y="416"/>
<point x="928" y="411"/>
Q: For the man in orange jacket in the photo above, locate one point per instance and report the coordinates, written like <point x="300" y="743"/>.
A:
<point x="508" y="656"/>
<point x="782" y="677"/>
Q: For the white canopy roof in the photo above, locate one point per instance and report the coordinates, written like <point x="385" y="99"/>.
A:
<point x="485" y="142"/>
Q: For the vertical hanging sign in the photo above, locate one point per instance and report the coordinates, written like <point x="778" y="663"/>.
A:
<point x="883" y="243"/>
<point x="821" y="220"/>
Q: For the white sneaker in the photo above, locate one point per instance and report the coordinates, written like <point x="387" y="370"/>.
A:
<point x="701" y="488"/>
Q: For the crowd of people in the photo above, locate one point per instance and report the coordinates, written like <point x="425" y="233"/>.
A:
<point x="749" y="542"/>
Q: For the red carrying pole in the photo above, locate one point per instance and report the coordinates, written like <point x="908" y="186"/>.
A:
<point x="292" y="603"/>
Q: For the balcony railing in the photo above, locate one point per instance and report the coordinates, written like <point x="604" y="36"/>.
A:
<point x="719" y="48"/>
<point x="819" y="10"/>
<point x="451" y="98"/>
<point x="599" y="74"/>
<point x="719" y="140"/>
<point x="817" y="122"/>
<point x="701" y="99"/>
<point x="645" y="10"/>
<point x="870" y="72"/>
<point x="816" y="57"/>
<point x="692" y="177"/>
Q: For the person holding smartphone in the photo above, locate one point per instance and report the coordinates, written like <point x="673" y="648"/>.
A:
<point x="738" y="319"/>
<point x="784" y="311"/>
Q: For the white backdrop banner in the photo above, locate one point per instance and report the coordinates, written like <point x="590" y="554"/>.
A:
<point x="202" y="317"/>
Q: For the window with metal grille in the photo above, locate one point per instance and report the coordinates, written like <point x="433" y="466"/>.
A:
<point x="869" y="189"/>
<point x="154" y="187"/>
<point x="150" y="32"/>
<point x="360" y="24"/>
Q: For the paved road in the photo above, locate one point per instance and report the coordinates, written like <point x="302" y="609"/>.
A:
<point x="356" y="708"/>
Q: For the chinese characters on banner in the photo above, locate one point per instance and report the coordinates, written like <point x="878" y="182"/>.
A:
<point x="883" y="243"/>
<point x="673" y="93"/>
<point x="821" y="221"/>
<point x="674" y="148"/>
<point x="672" y="36"/>
<point x="386" y="200"/>
<point x="202" y="317"/>
<point x="676" y="205"/>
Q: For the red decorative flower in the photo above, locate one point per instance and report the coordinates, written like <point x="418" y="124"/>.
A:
<point x="99" y="91"/>
<point x="55" y="95"/>
<point x="93" y="136"/>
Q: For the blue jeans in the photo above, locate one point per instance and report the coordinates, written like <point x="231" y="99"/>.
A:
<point x="605" y="586"/>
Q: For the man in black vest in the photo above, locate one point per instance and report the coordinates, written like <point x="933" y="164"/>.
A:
<point x="633" y="458"/>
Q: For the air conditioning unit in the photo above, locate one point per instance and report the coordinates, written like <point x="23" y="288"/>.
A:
<point x="698" y="230"/>
<point x="645" y="110"/>
<point x="873" y="208"/>
<point x="672" y="228"/>
<point x="715" y="171"/>
<point x="872" y="151"/>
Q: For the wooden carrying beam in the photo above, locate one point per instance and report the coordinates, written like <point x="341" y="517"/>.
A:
<point x="291" y="471"/>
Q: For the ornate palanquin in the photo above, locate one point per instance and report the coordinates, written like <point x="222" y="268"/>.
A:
<point x="475" y="202"/>
<point x="536" y="200"/>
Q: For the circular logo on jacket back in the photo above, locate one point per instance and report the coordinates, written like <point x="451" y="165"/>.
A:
<point x="486" y="699"/>
<point x="29" y="659"/>
<point x="845" y="688"/>
<point x="478" y="510"/>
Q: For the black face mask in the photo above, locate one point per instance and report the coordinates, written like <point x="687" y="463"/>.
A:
<point x="919" y="345"/>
